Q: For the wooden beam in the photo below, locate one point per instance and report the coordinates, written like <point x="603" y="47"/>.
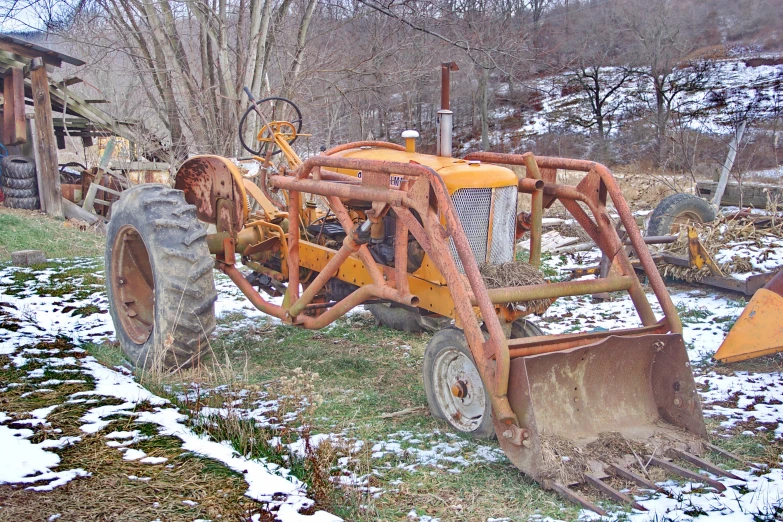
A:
<point x="14" y="131"/>
<point x="44" y="129"/>
<point x="37" y="157"/>
<point x="29" y="52"/>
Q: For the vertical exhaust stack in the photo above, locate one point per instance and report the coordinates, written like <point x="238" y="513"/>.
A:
<point x="445" y="116"/>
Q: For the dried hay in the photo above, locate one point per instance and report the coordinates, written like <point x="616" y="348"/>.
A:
<point x="716" y="236"/>
<point x="567" y="462"/>
<point x="514" y="274"/>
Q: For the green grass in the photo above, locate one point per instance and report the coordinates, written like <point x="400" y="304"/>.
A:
<point x="362" y="373"/>
<point x="29" y="230"/>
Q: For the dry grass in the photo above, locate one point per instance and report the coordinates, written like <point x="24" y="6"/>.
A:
<point x="714" y="237"/>
<point x="516" y="274"/>
<point x="110" y="495"/>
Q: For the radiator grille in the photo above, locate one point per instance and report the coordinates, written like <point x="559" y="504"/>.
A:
<point x="504" y="224"/>
<point x="473" y="207"/>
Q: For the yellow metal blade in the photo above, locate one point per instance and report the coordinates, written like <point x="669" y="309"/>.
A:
<point x="757" y="332"/>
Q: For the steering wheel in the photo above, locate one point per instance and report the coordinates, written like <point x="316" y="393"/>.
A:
<point x="283" y="117"/>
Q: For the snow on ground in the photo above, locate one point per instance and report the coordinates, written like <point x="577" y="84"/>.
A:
<point x="38" y="315"/>
<point x="34" y="318"/>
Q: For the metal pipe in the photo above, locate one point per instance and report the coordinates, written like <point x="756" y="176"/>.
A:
<point x="445" y="126"/>
<point x="536" y="211"/>
<point x="292" y="291"/>
<point x="349" y="247"/>
<point x="356" y="298"/>
<point x="393" y="197"/>
<point x="514" y="294"/>
<point x="252" y="295"/>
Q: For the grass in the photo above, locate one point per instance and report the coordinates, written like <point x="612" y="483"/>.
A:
<point x="348" y="376"/>
<point x="185" y="488"/>
<point x="32" y="230"/>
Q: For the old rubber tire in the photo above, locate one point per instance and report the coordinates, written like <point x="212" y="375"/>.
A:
<point x="159" y="279"/>
<point x="23" y="203"/>
<point x="20" y="193"/>
<point x="405" y="320"/>
<point x="20" y="184"/>
<point x="448" y="362"/>
<point x="676" y="210"/>
<point x="523" y="327"/>
<point x="18" y="167"/>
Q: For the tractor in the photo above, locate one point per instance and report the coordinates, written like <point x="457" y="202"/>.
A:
<point x="414" y="235"/>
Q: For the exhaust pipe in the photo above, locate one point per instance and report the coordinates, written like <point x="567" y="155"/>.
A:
<point x="445" y="120"/>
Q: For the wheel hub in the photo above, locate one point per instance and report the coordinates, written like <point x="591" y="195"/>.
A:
<point x="133" y="284"/>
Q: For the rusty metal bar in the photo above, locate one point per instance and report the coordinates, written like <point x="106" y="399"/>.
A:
<point x="401" y="258"/>
<point x="621" y="206"/>
<point x="626" y="474"/>
<point x="294" y="206"/>
<point x="514" y="294"/>
<point x="349" y="247"/>
<point x="340" y="190"/>
<point x="536" y="211"/>
<point x="700" y="463"/>
<point x="356" y="298"/>
<point x="685" y="473"/>
<point x="246" y="288"/>
<point x="612" y="493"/>
<point x="528" y="346"/>
<point x="574" y="497"/>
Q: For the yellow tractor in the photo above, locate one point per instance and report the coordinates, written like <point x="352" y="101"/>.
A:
<point x="433" y="238"/>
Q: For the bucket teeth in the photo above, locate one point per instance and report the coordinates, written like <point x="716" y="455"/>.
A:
<point x="573" y="496"/>
<point x="627" y="474"/>
<point x="700" y="463"/>
<point x="685" y="473"/>
<point x="612" y="493"/>
<point x="722" y="452"/>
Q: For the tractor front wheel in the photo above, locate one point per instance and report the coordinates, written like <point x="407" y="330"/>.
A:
<point x="453" y="385"/>
<point x="159" y="278"/>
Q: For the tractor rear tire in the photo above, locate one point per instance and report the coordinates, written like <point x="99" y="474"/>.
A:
<point x="25" y="203"/>
<point x="448" y="363"/>
<point x="676" y="210"/>
<point x="159" y="279"/>
<point x="18" y="167"/>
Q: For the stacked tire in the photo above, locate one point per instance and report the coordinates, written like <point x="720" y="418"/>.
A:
<point x="19" y="183"/>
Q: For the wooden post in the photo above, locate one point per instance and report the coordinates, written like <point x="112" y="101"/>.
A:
<point x="37" y="158"/>
<point x="14" y="131"/>
<point x="49" y="189"/>
<point x="724" y="175"/>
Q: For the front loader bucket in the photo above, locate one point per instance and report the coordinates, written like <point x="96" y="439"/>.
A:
<point x="601" y="402"/>
<point x="759" y="329"/>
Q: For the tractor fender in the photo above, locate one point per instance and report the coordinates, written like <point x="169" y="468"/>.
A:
<point x="214" y="185"/>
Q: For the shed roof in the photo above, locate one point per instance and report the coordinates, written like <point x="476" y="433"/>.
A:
<point x="27" y="49"/>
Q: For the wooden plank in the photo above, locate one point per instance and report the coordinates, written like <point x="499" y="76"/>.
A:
<point x="29" y="52"/>
<point x="74" y="211"/>
<point x="37" y="158"/>
<point x="50" y="175"/>
<point x="14" y="131"/>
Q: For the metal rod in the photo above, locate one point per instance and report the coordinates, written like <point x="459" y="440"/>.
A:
<point x="515" y="294"/>
<point x="536" y="211"/>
